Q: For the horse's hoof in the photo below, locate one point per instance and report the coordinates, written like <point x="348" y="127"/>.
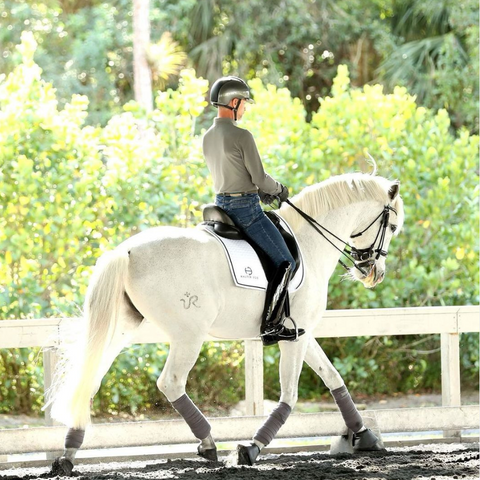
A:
<point x="367" y="441"/>
<point x="247" y="454"/>
<point x="209" y="454"/>
<point x="61" y="467"/>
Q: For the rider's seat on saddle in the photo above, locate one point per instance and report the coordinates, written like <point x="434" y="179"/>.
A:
<point x="225" y="227"/>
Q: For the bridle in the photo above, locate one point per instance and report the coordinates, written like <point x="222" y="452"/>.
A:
<point x="360" y="257"/>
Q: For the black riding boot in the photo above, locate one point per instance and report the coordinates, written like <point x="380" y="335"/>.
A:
<point x="277" y="309"/>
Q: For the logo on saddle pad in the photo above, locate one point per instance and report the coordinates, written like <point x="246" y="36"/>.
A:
<point x="250" y="274"/>
<point x="245" y="265"/>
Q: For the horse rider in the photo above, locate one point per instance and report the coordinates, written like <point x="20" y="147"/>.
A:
<point x="240" y="181"/>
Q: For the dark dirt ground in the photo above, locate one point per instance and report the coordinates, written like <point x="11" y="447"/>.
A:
<point x="425" y="462"/>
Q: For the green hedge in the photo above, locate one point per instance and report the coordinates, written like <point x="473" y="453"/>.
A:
<point x="69" y="192"/>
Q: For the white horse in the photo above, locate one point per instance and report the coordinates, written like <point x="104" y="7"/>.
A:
<point x="155" y="273"/>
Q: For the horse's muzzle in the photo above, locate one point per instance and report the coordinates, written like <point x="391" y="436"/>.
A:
<point x="374" y="277"/>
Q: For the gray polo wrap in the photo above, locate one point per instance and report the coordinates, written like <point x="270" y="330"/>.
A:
<point x="266" y="433"/>
<point x="74" y="438"/>
<point x="193" y="416"/>
<point x="349" y="411"/>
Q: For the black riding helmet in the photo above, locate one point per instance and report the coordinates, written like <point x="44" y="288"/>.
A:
<point x="225" y="89"/>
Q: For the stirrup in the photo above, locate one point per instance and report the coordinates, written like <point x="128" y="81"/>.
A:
<point x="279" y="332"/>
<point x="278" y="327"/>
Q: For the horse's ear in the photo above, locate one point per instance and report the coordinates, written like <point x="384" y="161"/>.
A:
<point x="394" y="189"/>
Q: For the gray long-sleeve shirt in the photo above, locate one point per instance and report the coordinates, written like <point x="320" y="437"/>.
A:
<point x="233" y="160"/>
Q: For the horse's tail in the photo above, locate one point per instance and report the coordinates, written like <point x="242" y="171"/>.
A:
<point x="82" y="375"/>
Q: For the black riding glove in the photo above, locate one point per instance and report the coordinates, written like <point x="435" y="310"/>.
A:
<point x="283" y="195"/>
<point x="266" y="198"/>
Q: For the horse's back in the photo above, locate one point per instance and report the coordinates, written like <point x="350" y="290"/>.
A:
<point x="164" y="234"/>
<point x="162" y="251"/>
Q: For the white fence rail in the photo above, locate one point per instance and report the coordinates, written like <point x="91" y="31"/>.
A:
<point x="449" y="322"/>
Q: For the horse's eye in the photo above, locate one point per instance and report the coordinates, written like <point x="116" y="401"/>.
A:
<point x="393" y="228"/>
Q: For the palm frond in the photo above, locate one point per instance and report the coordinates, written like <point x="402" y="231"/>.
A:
<point x="209" y="56"/>
<point x="416" y="19"/>
<point x="166" y="58"/>
<point x="202" y="20"/>
<point x="414" y="62"/>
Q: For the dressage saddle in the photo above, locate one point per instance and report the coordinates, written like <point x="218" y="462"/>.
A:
<point x="225" y="227"/>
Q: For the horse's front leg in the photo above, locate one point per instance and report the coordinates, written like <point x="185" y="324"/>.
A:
<point x="361" y="438"/>
<point x="291" y="361"/>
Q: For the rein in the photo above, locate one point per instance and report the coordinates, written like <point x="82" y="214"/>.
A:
<point x="362" y="255"/>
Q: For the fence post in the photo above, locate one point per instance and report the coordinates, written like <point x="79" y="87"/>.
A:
<point x="254" y="377"/>
<point x="50" y="359"/>
<point x="451" y="396"/>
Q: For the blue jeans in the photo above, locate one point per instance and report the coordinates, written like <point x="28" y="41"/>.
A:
<point x="247" y="214"/>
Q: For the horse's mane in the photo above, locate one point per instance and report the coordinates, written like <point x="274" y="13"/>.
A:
<point x="336" y="192"/>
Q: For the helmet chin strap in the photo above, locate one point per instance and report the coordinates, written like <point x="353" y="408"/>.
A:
<point x="234" y="109"/>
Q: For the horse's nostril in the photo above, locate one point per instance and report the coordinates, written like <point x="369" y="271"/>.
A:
<point x="380" y="276"/>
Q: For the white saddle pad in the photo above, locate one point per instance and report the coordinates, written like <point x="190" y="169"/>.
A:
<point x="245" y="266"/>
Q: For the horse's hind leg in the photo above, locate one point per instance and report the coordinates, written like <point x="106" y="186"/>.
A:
<point x="181" y="358"/>
<point x="129" y="320"/>
<point x="315" y="357"/>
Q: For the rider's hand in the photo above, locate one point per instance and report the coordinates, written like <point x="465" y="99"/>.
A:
<point x="283" y="195"/>
<point x="266" y="198"/>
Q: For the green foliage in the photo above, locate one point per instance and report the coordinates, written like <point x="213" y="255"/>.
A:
<point x="435" y="55"/>
<point x="69" y="191"/>
<point x="86" y="51"/>
<point x="51" y="198"/>
<point x="85" y="47"/>
<point x="21" y="388"/>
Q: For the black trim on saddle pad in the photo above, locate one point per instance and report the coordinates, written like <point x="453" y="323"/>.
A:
<point x="224" y="226"/>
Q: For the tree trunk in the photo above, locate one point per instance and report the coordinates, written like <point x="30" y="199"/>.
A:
<point x="142" y="75"/>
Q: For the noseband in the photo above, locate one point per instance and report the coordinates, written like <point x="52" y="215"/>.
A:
<point x="360" y="257"/>
<point x="368" y="256"/>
